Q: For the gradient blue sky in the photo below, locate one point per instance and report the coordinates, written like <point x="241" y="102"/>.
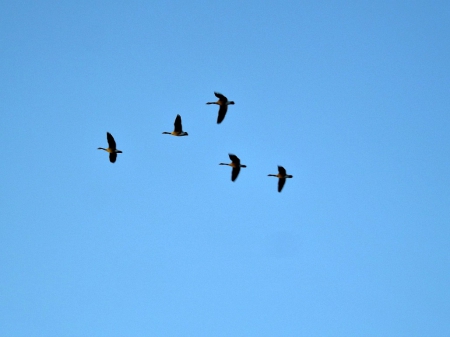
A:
<point x="351" y="97"/>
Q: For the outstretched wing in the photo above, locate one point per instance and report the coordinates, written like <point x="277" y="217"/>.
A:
<point x="235" y="173"/>
<point x="177" y="124"/>
<point x="235" y="159"/>
<point x="221" y="97"/>
<point x="281" y="171"/>
<point x="111" y="141"/>
<point x="222" y="112"/>
<point x="112" y="157"/>
<point x="281" y="182"/>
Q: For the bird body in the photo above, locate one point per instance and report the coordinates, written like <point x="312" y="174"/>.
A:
<point x="112" y="150"/>
<point x="178" y="128"/>
<point x="223" y="103"/>
<point x="236" y="165"/>
<point x="281" y="177"/>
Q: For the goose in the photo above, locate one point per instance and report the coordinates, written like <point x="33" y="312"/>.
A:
<point x="281" y="176"/>
<point x="235" y="164"/>
<point x="223" y="102"/>
<point x="178" y="130"/>
<point x="111" y="148"/>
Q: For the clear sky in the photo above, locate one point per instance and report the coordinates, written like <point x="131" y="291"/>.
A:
<point x="351" y="97"/>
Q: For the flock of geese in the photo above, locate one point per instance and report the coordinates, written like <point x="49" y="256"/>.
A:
<point x="223" y="103"/>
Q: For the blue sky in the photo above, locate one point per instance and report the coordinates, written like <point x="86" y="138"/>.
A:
<point x="350" y="97"/>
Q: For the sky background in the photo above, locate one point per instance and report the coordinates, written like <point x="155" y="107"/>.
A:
<point x="351" y="97"/>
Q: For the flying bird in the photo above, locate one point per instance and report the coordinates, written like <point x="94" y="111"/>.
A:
<point x="112" y="150"/>
<point x="178" y="130"/>
<point x="236" y="165"/>
<point x="223" y="102"/>
<point x="281" y="177"/>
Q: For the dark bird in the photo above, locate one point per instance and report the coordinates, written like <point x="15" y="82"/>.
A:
<point x="111" y="148"/>
<point x="281" y="177"/>
<point x="223" y="102"/>
<point x="236" y="165"/>
<point x="178" y="130"/>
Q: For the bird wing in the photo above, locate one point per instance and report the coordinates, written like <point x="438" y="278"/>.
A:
<point x="281" y="182"/>
<point x="281" y="170"/>
<point x="221" y="97"/>
<point x="111" y="141"/>
<point x="235" y="173"/>
<point x="235" y="159"/>
<point x="112" y="157"/>
<point x="177" y="124"/>
<point x="222" y="112"/>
